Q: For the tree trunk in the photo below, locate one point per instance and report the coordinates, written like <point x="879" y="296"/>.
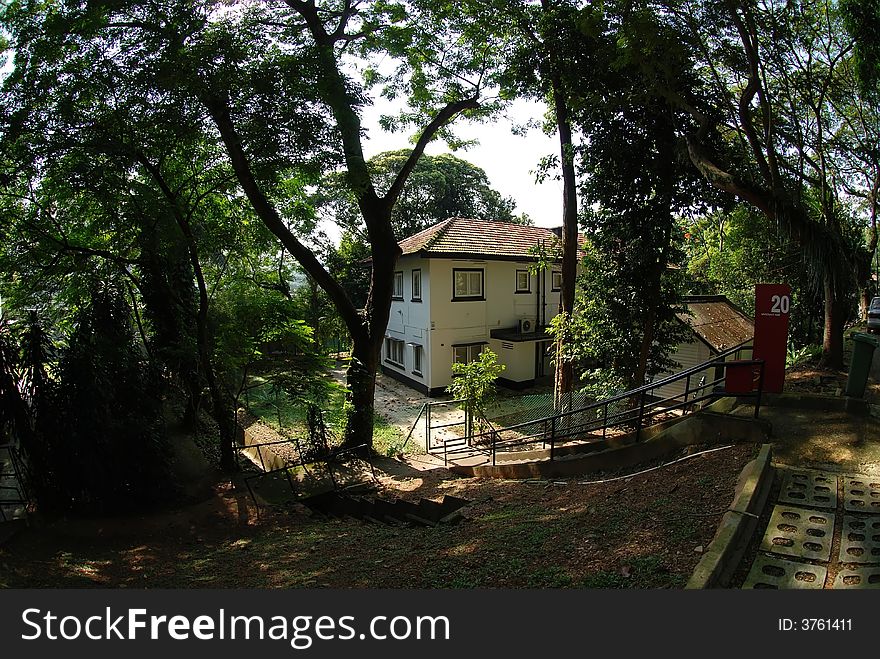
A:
<point x="832" y="336"/>
<point x="361" y="385"/>
<point x="564" y="378"/>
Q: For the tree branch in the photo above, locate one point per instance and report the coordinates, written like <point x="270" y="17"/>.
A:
<point x="428" y="134"/>
<point x="219" y="112"/>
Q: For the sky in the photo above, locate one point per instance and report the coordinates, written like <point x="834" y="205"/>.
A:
<point x="509" y="160"/>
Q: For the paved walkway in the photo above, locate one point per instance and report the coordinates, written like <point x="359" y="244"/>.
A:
<point x="824" y="525"/>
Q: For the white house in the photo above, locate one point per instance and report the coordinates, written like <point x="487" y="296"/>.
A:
<point x="716" y="326"/>
<point x="462" y="286"/>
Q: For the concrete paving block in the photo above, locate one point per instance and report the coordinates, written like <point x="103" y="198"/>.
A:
<point x="778" y="573"/>
<point x="808" y="488"/>
<point x="858" y="578"/>
<point x="861" y="494"/>
<point x="860" y="540"/>
<point x="799" y="532"/>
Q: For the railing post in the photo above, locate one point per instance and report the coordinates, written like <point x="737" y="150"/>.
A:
<point x="494" y="440"/>
<point x="605" y="420"/>
<point x="428" y="429"/>
<point x="687" y="391"/>
<point x="552" y="438"/>
<point x="760" y="390"/>
<point x="641" y="412"/>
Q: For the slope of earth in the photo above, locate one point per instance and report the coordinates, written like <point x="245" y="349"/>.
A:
<point x="645" y="531"/>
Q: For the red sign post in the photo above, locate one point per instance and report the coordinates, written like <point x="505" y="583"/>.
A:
<point x="772" y="308"/>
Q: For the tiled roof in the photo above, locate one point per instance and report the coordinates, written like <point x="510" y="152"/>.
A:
<point x="481" y="238"/>
<point x="717" y="322"/>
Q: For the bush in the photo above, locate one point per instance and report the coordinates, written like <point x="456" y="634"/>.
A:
<point x="100" y="435"/>
<point x="475" y="381"/>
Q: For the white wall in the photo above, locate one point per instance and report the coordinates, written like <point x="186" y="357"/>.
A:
<point x="460" y="322"/>
<point x="409" y="321"/>
<point x="688" y="355"/>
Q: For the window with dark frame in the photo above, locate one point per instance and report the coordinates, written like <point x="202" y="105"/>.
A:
<point x="466" y="354"/>
<point x="416" y="285"/>
<point x="556" y="281"/>
<point x="394" y="351"/>
<point x="467" y="284"/>
<point x="417" y="359"/>
<point x="523" y="281"/>
<point x="397" y="292"/>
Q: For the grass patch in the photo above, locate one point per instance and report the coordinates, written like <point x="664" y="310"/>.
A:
<point x="287" y="415"/>
<point x="641" y="572"/>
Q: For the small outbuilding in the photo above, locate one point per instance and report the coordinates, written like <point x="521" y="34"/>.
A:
<point x="716" y="325"/>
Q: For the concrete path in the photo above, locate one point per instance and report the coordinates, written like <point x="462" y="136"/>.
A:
<point x="824" y="523"/>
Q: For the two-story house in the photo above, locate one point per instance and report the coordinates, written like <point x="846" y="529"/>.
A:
<point x="465" y="285"/>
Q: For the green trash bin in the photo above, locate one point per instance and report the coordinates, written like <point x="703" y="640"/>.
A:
<point x="860" y="365"/>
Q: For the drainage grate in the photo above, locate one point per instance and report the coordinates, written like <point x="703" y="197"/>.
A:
<point x="804" y="487"/>
<point x="798" y="532"/>
<point x="861" y="578"/>
<point x="861" y="494"/>
<point x="779" y="573"/>
<point x="860" y="540"/>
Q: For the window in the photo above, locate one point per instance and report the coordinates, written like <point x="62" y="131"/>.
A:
<point x="467" y="284"/>
<point x="556" y="281"/>
<point x="397" y="292"/>
<point x="417" y="359"/>
<point x="468" y="353"/>
<point x="416" y="285"/>
<point x="394" y="351"/>
<point x="523" y="282"/>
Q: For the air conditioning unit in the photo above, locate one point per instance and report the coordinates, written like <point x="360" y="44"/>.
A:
<point x="526" y="325"/>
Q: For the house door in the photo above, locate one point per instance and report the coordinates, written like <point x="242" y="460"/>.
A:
<point x="543" y="358"/>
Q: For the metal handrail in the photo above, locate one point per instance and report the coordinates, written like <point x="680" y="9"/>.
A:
<point x="636" y="414"/>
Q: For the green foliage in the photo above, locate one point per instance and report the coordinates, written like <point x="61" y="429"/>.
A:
<point x="731" y="251"/>
<point x="475" y="381"/>
<point x="256" y="329"/>
<point x="100" y="436"/>
<point x="612" y="308"/>
<point x="862" y="21"/>
<point x="803" y="355"/>
<point x="439" y="187"/>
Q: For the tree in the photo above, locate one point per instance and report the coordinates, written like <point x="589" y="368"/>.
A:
<point x="636" y="186"/>
<point x="546" y="47"/>
<point x="270" y="85"/>
<point x="774" y="68"/>
<point x="728" y="252"/>
<point x="439" y="187"/>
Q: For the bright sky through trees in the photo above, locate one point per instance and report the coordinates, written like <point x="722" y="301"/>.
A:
<point x="510" y="160"/>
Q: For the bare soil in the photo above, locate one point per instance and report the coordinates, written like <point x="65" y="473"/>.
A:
<point x="647" y="531"/>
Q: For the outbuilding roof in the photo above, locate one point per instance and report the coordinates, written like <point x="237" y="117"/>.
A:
<point x="717" y="321"/>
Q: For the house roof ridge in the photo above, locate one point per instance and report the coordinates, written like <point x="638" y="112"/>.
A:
<point x="438" y="233"/>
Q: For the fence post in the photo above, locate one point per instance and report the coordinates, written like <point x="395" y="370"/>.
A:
<point x="641" y="412"/>
<point x="760" y="390"/>
<point x="553" y="437"/>
<point x="605" y="420"/>
<point x="428" y="429"/>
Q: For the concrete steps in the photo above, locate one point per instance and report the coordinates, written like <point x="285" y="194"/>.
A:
<point x="395" y="512"/>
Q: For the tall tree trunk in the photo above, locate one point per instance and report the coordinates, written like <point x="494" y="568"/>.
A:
<point x="564" y="380"/>
<point x="223" y="413"/>
<point x="361" y="383"/>
<point x="832" y="335"/>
